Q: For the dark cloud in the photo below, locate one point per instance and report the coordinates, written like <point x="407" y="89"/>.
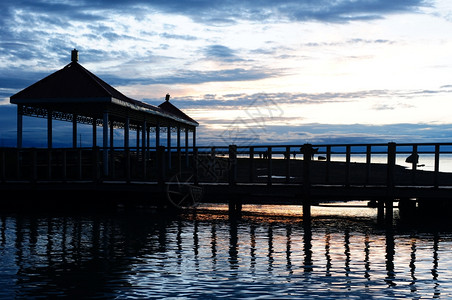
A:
<point x="215" y="12"/>
<point x="222" y="53"/>
<point x="209" y="12"/>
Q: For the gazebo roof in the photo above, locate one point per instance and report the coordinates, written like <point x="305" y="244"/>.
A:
<point x="170" y="108"/>
<point x="74" y="89"/>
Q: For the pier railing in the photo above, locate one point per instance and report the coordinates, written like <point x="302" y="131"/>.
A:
<point x="334" y="164"/>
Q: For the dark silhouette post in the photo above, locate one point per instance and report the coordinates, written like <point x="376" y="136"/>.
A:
<point x="436" y="169"/>
<point x="307" y="151"/>
<point x="287" y="157"/>
<point x="195" y="166"/>
<point x="368" y="162"/>
<point x="232" y="164"/>
<point x="390" y="182"/>
<point x="179" y="153"/>
<point x="328" y="162"/>
<point x="235" y="202"/>
<point x="347" y="165"/>
<point x="269" y="166"/>
<point x="251" y="179"/>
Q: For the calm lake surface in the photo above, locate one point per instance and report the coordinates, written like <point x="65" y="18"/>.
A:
<point x="268" y="253"/>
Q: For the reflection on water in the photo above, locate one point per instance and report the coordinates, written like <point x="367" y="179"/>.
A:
<point x="144" y="255"/>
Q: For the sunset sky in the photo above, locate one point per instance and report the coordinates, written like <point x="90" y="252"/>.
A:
<point x="265" y="72"/>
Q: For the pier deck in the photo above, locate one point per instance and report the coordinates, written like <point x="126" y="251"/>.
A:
<point x="257" y="174"/>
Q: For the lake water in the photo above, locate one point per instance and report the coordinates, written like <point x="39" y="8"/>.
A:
<point x="426" y="161"/>
<point x="268" y="253"/>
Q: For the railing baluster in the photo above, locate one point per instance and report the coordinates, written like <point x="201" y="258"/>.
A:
<point x="347" y="165"/>
<point x="37" y="164"/>
<point x="391" y="165"/>
<point x="287" y="157"/>
<point x="307" y="152"/>
<point x="368" y="162"/>
<point x="269" y="166"/>
<point x="232" y="164"/>
<point x="328" y="163"/>
<point x="195" y="166"/>
<point x="436" y="170"/>
<point x="251" y="164"/>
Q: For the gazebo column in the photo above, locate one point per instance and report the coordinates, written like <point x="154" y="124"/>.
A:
<point x="126" y="146"/>
<point x="178" y="149"/>
<point x="105" y="143"/>
<point x="178" y="137"/>
<point x="143" y="137"/>
<point x="148" y="137"/>
<point x="138" y="137"/>
<point x="19" y="126"/>
<point x="143" y="146"/>
<point x="49" y="129"/>
<point x="186" y="147"/>
<point x="148" y="142"/>
<point x="157" y="134"/>
<point x="126" y="133"/>
<point x="94" y="132"/>
<point x="111" y="136"/>
<point x="74" y="131"/>
<point x="168" y="145"/>
<point x="194" y="137"/>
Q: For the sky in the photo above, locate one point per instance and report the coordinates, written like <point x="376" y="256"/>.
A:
<point x="250" y="72"/>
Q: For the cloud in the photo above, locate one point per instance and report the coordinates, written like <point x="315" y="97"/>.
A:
<point x="238" y="101"/>
<point x="200" y="76"/>
<point x="241" y="131"/>
<point x="178" y="36"/>
<point x="222" y="53"/>
<point x="224" y="12"/>
<point x="243" y="100"/>
<point x="39" y="33"/>
<point x="209" y="12"/>
<point x="323" y="134"/>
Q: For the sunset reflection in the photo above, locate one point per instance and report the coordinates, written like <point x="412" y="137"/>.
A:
<point x="339" y="254"/>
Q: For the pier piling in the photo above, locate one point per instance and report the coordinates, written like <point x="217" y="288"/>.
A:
<point x="307" y="151"/>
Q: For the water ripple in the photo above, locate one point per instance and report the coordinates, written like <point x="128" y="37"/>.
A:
<point x="138" y="256"/>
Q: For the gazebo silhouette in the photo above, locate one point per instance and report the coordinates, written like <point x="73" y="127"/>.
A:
<point x="76" y="95"/>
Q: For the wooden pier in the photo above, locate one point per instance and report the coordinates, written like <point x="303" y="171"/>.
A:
<point x="183" y="176"/>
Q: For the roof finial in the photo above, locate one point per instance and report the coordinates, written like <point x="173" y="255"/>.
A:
<point x="74" y="55"/>
<point x="167" y="97"/>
